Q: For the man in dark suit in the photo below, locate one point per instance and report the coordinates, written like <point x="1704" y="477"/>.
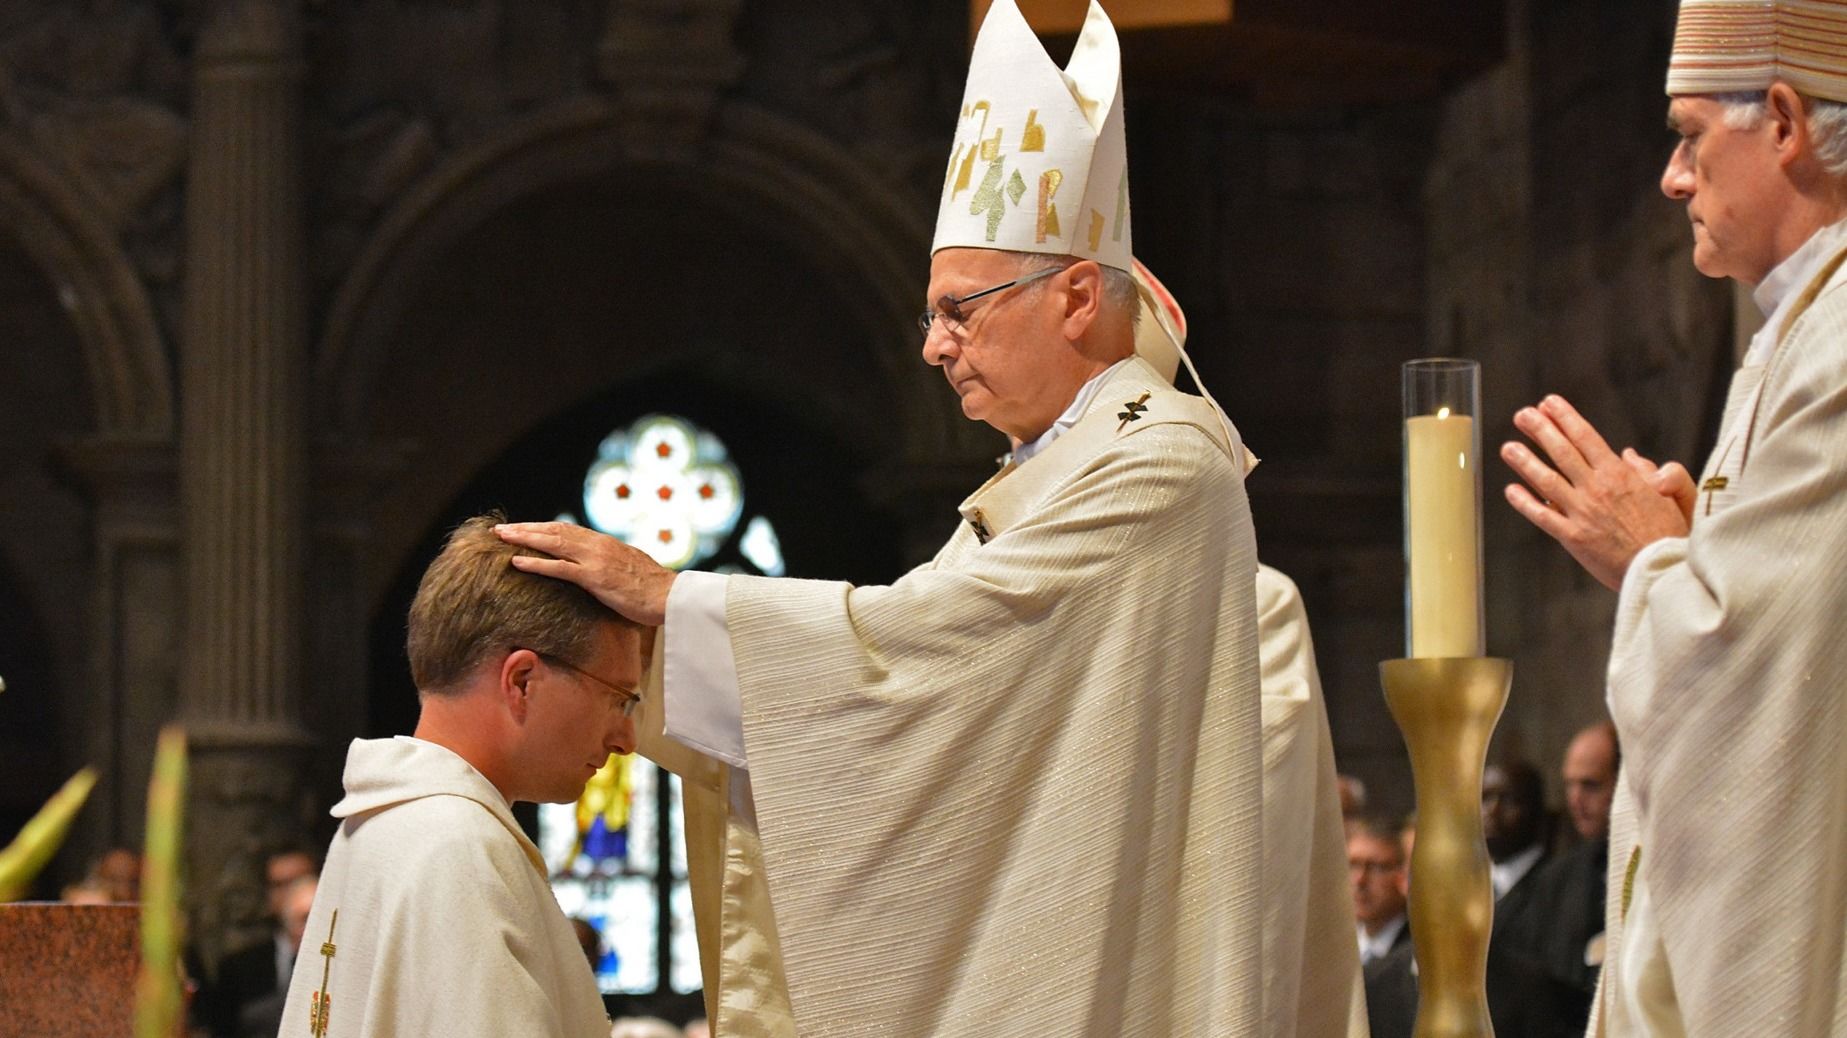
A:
<point x="1566" y="938"/>
<point x="1376" y="859"/>
<point x="1376" y="868"/>
<point x="249" y="980"/>
<point x="1513" y="816"/>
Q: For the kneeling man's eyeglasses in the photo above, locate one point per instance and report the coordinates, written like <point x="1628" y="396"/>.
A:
<point x="629" y="698"/>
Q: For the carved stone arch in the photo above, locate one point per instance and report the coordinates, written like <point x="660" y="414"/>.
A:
<point x="796" y="183"/>
<point x="103" y="296"/>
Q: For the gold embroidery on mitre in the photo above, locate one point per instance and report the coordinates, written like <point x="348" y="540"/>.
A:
<point x="1033" y="137"/>
<point x="1122" y="206"/>
<point x="321" y="1005"/>
<point x="1016" y="187"/>
<point x="1048" y="211"/>
<point x="990" y="148"/>
<point x="968" y="163"/>
<point x="988" y="199"/>
<point x="1096" y="229"/>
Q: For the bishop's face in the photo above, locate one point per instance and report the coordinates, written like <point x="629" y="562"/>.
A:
<point x="1726" y="177"/>
<point x="1009" y="359"/>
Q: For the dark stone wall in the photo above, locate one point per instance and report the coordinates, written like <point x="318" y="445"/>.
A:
<point x="1513" y="219"/>
<point x="1556" y="261"/>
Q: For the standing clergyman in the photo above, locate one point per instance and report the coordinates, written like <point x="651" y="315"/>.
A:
<point x="1728" y="674"/>
<point x="1018" y="791"/>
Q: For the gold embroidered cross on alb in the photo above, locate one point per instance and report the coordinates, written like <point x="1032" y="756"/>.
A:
<point x="323" y="998"/>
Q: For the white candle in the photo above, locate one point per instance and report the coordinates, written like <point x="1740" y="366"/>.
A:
<point x="1444" y="558"/>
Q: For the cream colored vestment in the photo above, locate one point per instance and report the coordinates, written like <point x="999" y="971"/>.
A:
<point x="1728" y="684"/>
<point x="1311" y="964"/>
<point x="447" y="924"/>
<point x="1017" y="792"/>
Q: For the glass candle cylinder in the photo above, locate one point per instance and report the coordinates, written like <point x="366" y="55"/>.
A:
<point x="1442" y="508"/>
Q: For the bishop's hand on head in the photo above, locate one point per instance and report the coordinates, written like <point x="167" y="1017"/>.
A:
<point x="621" y="577"/>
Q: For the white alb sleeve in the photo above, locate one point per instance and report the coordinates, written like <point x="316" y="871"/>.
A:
<point x="702" y="708"/>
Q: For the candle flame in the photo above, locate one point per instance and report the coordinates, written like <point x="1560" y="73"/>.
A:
<point x="1442" y="412"/>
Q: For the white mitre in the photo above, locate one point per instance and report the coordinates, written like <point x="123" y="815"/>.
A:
<point x="1721" y="46"/>
<point x="1039" y="163"/>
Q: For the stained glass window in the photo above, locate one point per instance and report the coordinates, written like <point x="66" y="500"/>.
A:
<point x="617" y="857"/>
<point x="667" y="488"/>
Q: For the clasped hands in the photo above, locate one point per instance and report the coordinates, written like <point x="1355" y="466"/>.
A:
<point x="1603" y="507"/>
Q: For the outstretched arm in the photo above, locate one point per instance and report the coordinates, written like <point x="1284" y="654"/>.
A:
<point x="1603" y="507"/>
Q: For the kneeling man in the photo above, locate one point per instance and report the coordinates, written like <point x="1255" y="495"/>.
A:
<point x="434" y="916"/>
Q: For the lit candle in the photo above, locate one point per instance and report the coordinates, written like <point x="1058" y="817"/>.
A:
<point x="1442" y="510"/>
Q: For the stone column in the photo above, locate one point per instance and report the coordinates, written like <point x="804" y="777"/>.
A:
<point x="243" y="458"/>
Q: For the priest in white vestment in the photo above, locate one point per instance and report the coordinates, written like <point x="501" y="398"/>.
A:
<point x="1728" y="673"/>
<point x="1019" y="790"/>
<point x="1312" y="981"/>
<point x="434" y="915"/>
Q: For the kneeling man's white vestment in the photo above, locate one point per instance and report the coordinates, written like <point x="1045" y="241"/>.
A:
<point x="446" y="923"/>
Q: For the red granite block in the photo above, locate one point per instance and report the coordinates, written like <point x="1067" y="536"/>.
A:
<point x="68" y="971"/>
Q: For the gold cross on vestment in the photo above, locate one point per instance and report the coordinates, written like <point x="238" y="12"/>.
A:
<point x="1715" y="482"/>
<point x="1132" y="411"/>
<point x="980" y="525"/>
<point x="322" y="1002"/>
<point x="1713" y="485"/>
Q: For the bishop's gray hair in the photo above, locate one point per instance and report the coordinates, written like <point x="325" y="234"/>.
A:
<point x="1118" y="285"/>
<point x="1745" y="110"/>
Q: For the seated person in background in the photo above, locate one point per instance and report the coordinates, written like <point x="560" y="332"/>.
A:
<point x="118" y="874"/>
<point x="1564" y="935"/>
<point x="1513" y="816"/>
<point x="260" y="1017"/>
<point x="434" y="915"/>
<point x="1352" y="796"/>
<point x="1376" y="867"/>
<point x="254" y="973"/>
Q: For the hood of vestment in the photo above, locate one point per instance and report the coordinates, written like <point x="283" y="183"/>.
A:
<point x="383" y="773"/>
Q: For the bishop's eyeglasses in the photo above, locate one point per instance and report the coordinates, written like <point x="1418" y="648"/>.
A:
<point x="949" y="308"/>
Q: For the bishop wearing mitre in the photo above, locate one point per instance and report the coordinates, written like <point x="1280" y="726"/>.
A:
<point x="1019" y="791"/>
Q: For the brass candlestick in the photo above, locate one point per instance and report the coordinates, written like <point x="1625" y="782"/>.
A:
<point x="1447" y="709"/>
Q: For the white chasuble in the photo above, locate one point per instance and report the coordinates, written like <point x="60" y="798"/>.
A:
<point x="1017" y="792"/>
<point x="446" y="924"/>
<point x="1311" y="966"/>
<point x="1728" y="684"/>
